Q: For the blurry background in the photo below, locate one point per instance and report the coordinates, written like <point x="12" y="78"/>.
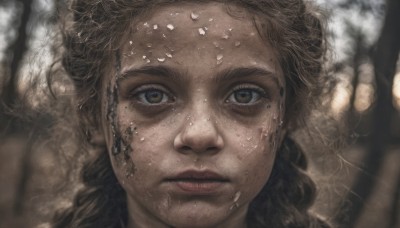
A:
<point x="360" y="108"/>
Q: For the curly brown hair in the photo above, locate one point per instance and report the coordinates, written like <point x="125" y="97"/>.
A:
<point x="294" y="31"/>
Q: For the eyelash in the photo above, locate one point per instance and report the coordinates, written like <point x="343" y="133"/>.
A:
<point x="139" y="94"/>
<point x="248" y="88"/>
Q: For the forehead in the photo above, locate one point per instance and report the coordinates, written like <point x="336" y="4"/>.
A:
<point x="201" y="22"/>
<point x="197" y="34"/>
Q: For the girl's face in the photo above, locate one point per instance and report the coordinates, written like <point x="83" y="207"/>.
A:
<point x="192" y="109"/>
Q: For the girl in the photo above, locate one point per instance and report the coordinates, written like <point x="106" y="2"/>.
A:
<point x="190" y="105"/>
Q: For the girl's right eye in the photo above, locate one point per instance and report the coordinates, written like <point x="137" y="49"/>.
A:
<point x="152" y="95"/>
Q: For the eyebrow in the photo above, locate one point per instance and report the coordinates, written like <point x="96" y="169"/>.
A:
<point x="240" y="72"/>
<point x="160" y="71"/>
<point x="225" y="75"/>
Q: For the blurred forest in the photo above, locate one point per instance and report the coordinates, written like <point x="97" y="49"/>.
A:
<point x="354" y="157"/>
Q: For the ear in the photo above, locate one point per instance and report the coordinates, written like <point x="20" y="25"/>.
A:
<point x="96" y="138"/>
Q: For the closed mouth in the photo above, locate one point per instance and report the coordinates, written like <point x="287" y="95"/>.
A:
<point x="198" y="182"/>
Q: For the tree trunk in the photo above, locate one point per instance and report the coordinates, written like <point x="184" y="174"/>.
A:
<point x="385" y="58"/>
<point x="16" y="52"/>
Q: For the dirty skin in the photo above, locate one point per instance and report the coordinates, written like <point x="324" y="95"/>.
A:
<point x="120" y="143"/>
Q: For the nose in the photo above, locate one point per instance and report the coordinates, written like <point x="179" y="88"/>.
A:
<point x="199" y="136"/>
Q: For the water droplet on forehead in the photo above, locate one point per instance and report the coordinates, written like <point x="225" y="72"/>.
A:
<point x="130" y="42"/>
<point x="194" y="16"/>
<point x="211" y="19"/>
<point x="220" y="56"/>
<point x="142" y="139"/>
<point x="190" y="123"/>
<point x="155" y="26"/>
<point x="146" y="24"/>
<point x="237" y="43"/>
<point x="148" y="61"/>
<point x="170" y="27"/>
<point x="169" y="55"/>
<point x="161" y="59"/>
<point x="163" y="35"/>
<point x="149" y="45"/>
<point x="225" y="36"/>
<point x="202" y="32"/>
<point x="144" y="57"/>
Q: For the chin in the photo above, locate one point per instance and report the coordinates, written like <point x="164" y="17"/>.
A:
<point x="200" y="217"/>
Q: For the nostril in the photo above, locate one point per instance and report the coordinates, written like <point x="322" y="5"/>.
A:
<point x="186" y="148"/>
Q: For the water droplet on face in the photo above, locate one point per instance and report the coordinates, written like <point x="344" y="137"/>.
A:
<point x="225" y="36"/>
<point x="206" y="28"/>
<point x="202" y="32"/>
<point x="170" y="27"/>
<point x="252" y="34"/>
<point x="161" y="60"/>
<point x="211" y="19"/>
<point x="149" y="45"/>
<point x="205" y="100"/>
<point x="146" y="24"/>
<point x="148" y="61"/>
<point x="248" y="139"/>
<point x="230" y="29"/>
<point x="237" y="196"/>
<point x="142" y="139"/>
<point x="169" y="55"/>
<point x="155" y="27"/>
<point x="144" y="57"/>
<point x="219" y="58"/>
<point x="237" y="43"/>
<point x="130" y="42"/>
<point x="163" y="35"/>
<point x="194" y="16"/>
<point x="190" y="124"/>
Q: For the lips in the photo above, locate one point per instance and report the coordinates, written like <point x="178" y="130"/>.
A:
<point x="198" y="182"/>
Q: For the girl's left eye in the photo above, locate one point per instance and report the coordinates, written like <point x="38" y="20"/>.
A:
<point x="245" y="96"/>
